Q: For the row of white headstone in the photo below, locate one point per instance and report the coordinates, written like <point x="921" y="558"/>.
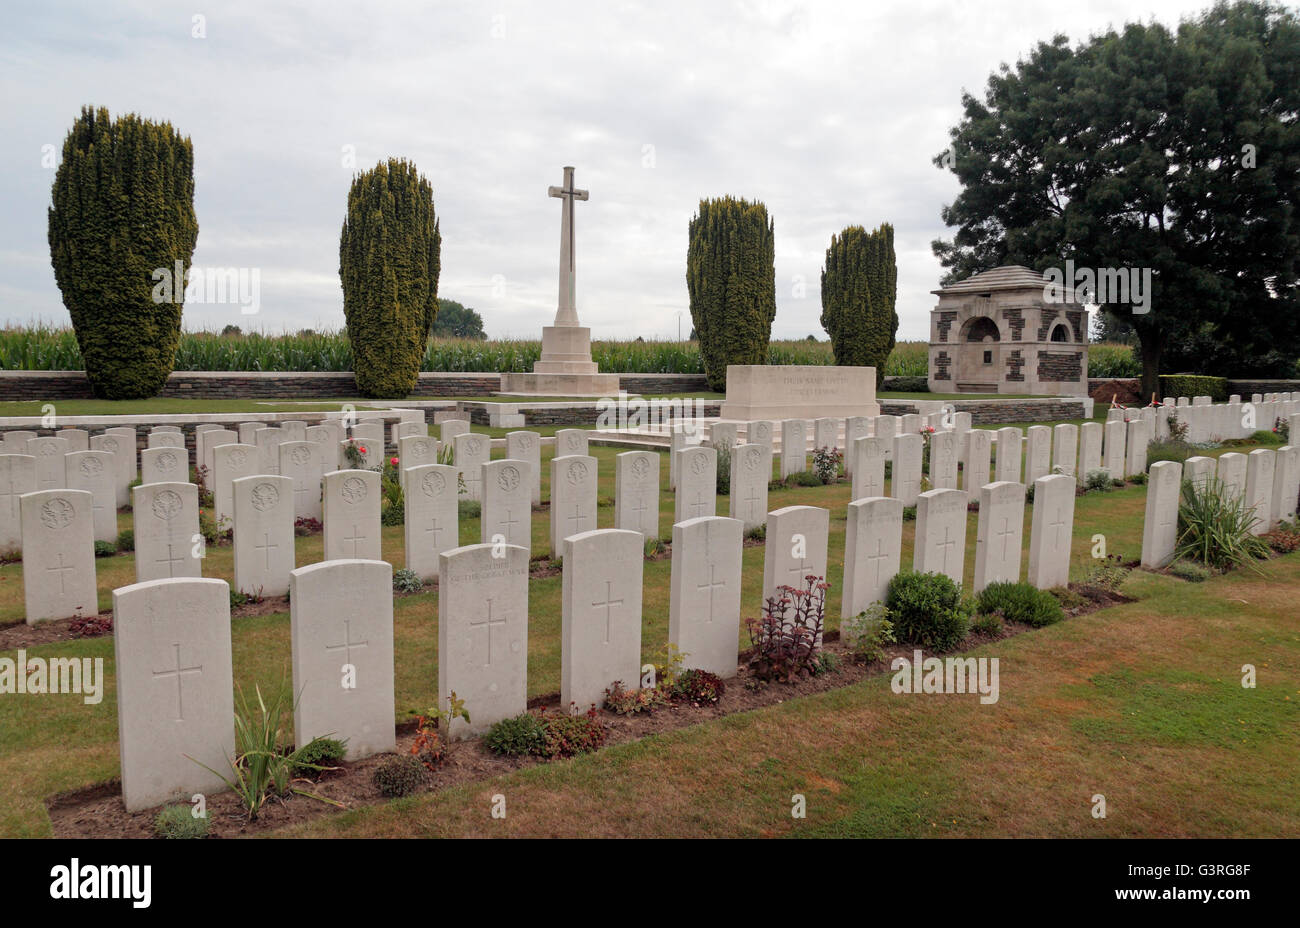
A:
<point x="1266" y="481"/>
<point x="1207" y="421"/>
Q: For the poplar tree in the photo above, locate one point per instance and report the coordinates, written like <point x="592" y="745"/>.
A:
<point x="389" y="254"/>
<point x="859" y="289"/>
<point x="122" y="232"/>
<point x="731" y="278"/>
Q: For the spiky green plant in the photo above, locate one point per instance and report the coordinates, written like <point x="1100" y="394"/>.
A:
<point x="1214" y="527"/>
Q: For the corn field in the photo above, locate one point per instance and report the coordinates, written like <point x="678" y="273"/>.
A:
<point x="50" y="349"/>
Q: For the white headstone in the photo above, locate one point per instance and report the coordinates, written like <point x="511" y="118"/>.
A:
<point x="760" y="432"/>
<point x="1199" y="471"/>
<point x="78" y="439"/>
<point x="268" y="449"/>
<point x="873" y="543"/>
<point x="483" y="633"/>
<point x="1007" y="468"/>
<point x="1286" y="483"/>
<point x="888" y="428"/>
<point x="451" y="428"/>
<point x="869" y="456"/>
<point x="794" y="447"/>
<point x="1135" y="455"/>
<point x="168" y="439"/>
<point x="303" y="462"/>
<point x="1260" y="467"/>
<point x="351" y="506"/>
<point x="944" y="447"/>
<point x="17" y="476"/>
<point x="600" y="630"/>
<point x="751" y="471"/>
<point x="1160" y="528"/>
<point x="507" y="513"/>
<point x="164" y="464"/>
<point x="940" y="533"/>
<point x="795" y="548"/>
<point x="573" y="498"/>
<point x="175" y="692"/>
<point x="229" y="463"/>
<point x="905" y="474"/>
<point x="979" y="450"/>
<point x="855" y="427"/>
<point x="1090" y="435"/>
<point x="571" y="441"/>
<point x="58" y="554"/>
<point x="341" y="628"/>
<point x="263" y="536"/>
<point x="211" y="441"/>
<point x="165" y="518"/>
<point x="697" y="483"/>
<point x="1050" y="532"/>
<point x="636" y="493"/>
<point x="999" y="534"/>
<point x="1038" y="453"/>
<point x="247" y="431"/>
<point x="1232" y="473"/>
<point x="416" y="451"/>
<point x="1065" y="448"/>
<point x="1113" y="450"/>
<point x="49" y="452"/>
<point x="472" y="452"/>
<point x="527" y="446"/>
<point x="93" y="472"/>
<point x="294" y="430"/>
<point x="704" y="602"/>
<point x="826" y="432"/>
<point x="15" y="440"/>
<point x="122" y="442"/>
<point x="432" y="517"/>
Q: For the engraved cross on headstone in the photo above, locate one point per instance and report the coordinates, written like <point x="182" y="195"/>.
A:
<point x="172" y="559"/>
<point x="607" y="604"/>
<point x="713" y="583"/>
<point x="63" y="586"/>
<point x="488" y="623"/>
<point x="178" y="672"/>
<point x="348" y="644"/>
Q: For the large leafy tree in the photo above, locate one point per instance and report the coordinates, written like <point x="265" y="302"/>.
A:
<point x="859" y="288"/>
<point x="121" y="225"/>
<point x="389" y="260"/>
<point x="455" y="320"/>
<point x="1145" y="148"/>
<point x="731" y="278"/>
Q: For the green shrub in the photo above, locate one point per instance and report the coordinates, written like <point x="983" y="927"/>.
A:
<point x="401" y="776"/>
<point x="909" y="513"/>
<point x="804" y="478"/>
<point x="126" y="540"/>
<point x="987" y="623"/>
<point x="105" y="549"/>
<point x="859" y="286"/>
<point x="926" y="610"/>
<point x="318" y="753"/>
<point x="389" y="260"/>
<point x="1020" y="602"/>
<point x="731" y="282"/>
<point x="179" y="821"/>
<point x="906" y="385"/>
<point x="122" y="216"/>
<point x="520" y="735"/>
<point x="1189" y="571"/>
<point x="469" y="509"/>
<point x="1098" y="479"/>
<point x="1107" y="573"/>
<point x="1214" y="527"/>
<point x="826" y="464"/>
<point x="622" y="701"/>
<point x="866" y="634"/>
<point x="757" y="533"/>
<point x="653" y="547"/>
<point x="1267" y="437"/>
<point x="407" y="581"/>
<point x="1193" y="385"/>
<point x="724" y="470"/>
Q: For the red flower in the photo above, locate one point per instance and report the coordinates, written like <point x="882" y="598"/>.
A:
<point x="393" y="462"/>
<point x="363" y="449"/>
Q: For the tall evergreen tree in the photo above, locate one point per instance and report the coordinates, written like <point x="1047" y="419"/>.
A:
<point x="1148" y="149"/>
<point x="389" y="260"/>
<point x="731" y="278"/>
<point x="859" y="290"/>
<point x="120" y="225"/>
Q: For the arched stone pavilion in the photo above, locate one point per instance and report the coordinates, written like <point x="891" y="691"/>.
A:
<point x="997" y="332"/>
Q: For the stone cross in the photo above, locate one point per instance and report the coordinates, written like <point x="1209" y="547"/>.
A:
<point x="567" y="312"/>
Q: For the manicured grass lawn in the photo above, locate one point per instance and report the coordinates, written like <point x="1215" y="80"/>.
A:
<point x="1141" y="703"/>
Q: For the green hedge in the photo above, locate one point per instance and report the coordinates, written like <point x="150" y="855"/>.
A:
<point x="1192" y="385"/>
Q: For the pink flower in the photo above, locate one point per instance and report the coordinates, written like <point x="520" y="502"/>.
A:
<point x="393" y="462"/>
<point x="363" y="449"/>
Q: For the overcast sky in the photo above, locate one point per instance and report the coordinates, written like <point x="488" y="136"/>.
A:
<point x="830" y="113"/>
